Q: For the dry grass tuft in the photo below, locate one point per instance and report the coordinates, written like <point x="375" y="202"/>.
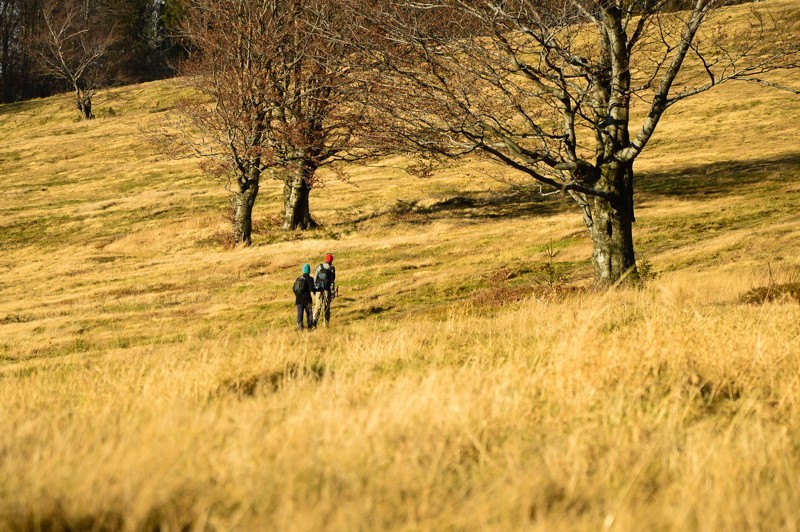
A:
<point x="778" y="292"/>
<point x="271" y="381"/>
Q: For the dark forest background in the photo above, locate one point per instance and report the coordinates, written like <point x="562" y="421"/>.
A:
<point x="145" y="43"/>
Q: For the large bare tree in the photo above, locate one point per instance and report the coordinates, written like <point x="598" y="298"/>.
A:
<point x="74" y="44"/>
<point x="283" y="98"/>
<point x="565" y="92"/>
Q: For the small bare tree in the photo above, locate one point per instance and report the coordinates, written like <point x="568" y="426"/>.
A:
<point x="550" y="88"/>
<point x="280" y="99"/>
<point x="74" y="45"/>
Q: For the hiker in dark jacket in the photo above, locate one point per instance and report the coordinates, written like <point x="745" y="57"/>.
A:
<point x="325" y="282"/>
<point x="303" y="287"/>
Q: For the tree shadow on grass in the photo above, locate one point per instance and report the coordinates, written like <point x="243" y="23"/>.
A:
<point x="715" y="178"/>
<point x="719" y="178"/>
<point x="468" y="205"/>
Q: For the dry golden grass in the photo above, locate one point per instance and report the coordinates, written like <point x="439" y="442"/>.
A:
<point x="643" y="411"/>
<point x="151" y="378"/>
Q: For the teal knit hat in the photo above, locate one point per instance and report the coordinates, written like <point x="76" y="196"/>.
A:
<point x="306" y="268"/>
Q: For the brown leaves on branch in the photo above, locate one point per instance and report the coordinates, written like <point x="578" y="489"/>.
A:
<point x="545" y="88"/>
<point x="282" y="96"/>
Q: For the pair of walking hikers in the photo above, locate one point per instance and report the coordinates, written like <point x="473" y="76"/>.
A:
<point x="324" y="285"/>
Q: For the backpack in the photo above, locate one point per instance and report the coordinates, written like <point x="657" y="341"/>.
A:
<point x="299" y="286"/>
<point x="324" y="279"/>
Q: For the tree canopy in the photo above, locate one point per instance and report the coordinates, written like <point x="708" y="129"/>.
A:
<point x="547" y="88"/>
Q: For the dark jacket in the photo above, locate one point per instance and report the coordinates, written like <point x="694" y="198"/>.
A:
<point x="304" y="298"/>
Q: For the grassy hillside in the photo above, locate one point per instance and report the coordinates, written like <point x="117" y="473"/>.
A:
<point x="150" y="377"/>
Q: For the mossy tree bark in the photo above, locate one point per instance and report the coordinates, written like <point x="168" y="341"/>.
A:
<point x="296" y="205"/>
<point x="611" y="226"/>
<point x="242" y="203"/>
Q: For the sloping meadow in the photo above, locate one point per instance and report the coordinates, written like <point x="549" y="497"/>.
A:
<point x="472" y="377"/>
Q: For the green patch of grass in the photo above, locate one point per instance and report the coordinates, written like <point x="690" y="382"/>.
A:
<point x="39" y="231"/>
<point x="107" y="259"/>
<point x="559" y="244"/>
<point x="12" y="156"/>
<point x="16" y="318"/>
<point x="126" y="342"/>
<point x="26" y="373"/>
<point x="127" y="307"/>
<point x="138" y="182"/>
<point x="79" y="345"/>
<point x="33" y="106"/>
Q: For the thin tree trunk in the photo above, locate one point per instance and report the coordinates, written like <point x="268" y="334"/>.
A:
<point x="297" y="210"/>
<point x="5" y="63"/>
<point x="84" y="104"/>
<point x="243" y="202"/>
<point x="86" y="109"/>
<point x="612" y="228"/>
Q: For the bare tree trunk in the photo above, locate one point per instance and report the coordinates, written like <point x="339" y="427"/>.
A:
<point x="6" y="77"/>
<point x="84" y="104"/>
<point x="612" y="227"/>
<point x="297" y="211"/>
<point x="243" y="202"/>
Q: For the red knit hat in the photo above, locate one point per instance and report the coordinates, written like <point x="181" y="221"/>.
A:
<point x="328" y="258"/>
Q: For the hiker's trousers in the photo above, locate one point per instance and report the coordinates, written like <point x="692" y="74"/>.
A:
<point x="322" y="309"/>
<point x="304" y="308"/>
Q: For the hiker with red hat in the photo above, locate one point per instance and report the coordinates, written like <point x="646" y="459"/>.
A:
<point x="325" y="283"/>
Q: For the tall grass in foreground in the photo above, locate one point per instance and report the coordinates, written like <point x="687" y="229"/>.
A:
<point x="665" y="408"/>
